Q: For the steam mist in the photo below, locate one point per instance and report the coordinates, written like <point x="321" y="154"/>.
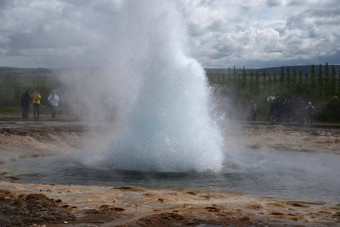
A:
<point x="160" y="94"/>
<point x="168" y="127"/>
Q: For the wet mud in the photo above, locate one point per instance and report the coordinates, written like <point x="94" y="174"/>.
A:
<point x="24" y="204"/>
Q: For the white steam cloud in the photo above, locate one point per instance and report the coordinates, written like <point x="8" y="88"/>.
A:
<point x="158" y="93"/>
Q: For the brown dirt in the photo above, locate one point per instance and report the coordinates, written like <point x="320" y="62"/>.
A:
<point x="28" y="209"/>
<point x="279" y="137"/>
<point x="74" y="205"/>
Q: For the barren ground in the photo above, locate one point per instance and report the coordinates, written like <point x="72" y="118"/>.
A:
<point x="24" y="204"/>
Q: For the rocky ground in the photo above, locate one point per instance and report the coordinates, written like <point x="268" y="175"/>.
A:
<point x="296" y="138"/>
<point x="24" y="204"/>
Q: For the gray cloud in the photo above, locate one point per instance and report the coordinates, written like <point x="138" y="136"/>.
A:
<point x="300" y="33"/>
<point x="41" y="33"/>
<point x="273" y="3"/>
<point x="4" y="4"/>
<point x="296" y="2"/>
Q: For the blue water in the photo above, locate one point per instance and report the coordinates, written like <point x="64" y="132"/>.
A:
<point x="308" y="176"/>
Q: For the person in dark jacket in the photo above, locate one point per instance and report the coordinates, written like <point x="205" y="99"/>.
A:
<point x="25" y="103"/>
<point x="272" y="111"/>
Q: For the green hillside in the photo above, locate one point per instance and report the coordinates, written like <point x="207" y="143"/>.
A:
<point x="319" y="84"/>
<point x="296" y="84"/>
<point x="271" y="70"/>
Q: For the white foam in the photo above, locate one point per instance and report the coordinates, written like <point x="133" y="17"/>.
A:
<point x="169" y="127"/>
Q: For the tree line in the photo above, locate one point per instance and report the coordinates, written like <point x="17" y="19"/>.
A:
<point x="321" y="87"/>
<point x="13" y="86"/>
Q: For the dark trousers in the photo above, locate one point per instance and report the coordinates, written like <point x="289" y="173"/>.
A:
<point x="25" y="109"/>
<point x="53" y="110"/>
<point x="251" y="116"/>
<point x="309" y="117"/>
<point x="36" y="110"/>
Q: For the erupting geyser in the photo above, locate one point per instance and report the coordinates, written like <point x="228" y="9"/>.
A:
<point x="168" y="126"/>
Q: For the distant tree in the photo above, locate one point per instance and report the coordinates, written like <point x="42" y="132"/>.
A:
<point x="327" y="84"/>
<point x="307" y="79"/>
<point x="6" y="90"/>
<point x="289" y="79"/>
<point x="264" y="78"/>
<point x="288" y="84"/>
<point x="229" y="71"/>
<point x="313" y="73"/>
<point x="239" y="80"/>
<point x="332" y="83"/>
<point x="338" y="87"/>
<point x="274" y="78"/>
<point x="10" y="91"/>
<point x="333" y="71"/>
<point x="270" y="79"/>
<point x="244" y="77"/>
<point x="312" y="81"/>
<point x="251" y="82"/>
<point x="229" y="77"/>
<point x="235" y="79"/>
<point x="257" y="80"/>
<point x="282" y="76"/>
<point x="224" y="78"/>
<point x="270" y="83"/>
<point x="320" y="82"/>
<point x="299" y="85"/>
<point x="276" y="84"/>
<point x="234" y="71"/>
<point x="326" y="70"/>
<point x="294" y="79"/>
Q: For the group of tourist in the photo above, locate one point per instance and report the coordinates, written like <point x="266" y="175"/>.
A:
<point x="282" y="110"/>
<point x="34" y="98"/>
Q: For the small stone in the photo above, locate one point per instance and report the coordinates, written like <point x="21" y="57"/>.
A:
<point x="161" y="200"/>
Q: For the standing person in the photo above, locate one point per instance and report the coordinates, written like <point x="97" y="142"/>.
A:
<point x="25" y="103"/>
<point x="53" y="98"/>
<point x="301" y="111"/>
<point x="36" y="103"/>
<point x="288" y="110"/>
<point x="252" y="109"/>
<point x="310" y="110"/>
<point x="272" y="110"/>
<point x="280" y="110"/>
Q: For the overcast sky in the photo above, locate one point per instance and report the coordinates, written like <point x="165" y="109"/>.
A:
<point x="222" y="33"/>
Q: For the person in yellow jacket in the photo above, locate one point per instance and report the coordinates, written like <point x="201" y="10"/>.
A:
<point x="36" y="103"/>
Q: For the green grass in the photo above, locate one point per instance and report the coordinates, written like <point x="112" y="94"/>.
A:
<point x="17" y="109"/>
<point x="10" y="109"/>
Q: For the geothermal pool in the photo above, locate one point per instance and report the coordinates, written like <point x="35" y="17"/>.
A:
<point x="307" y="176"/>
<point x="168" y="126"/>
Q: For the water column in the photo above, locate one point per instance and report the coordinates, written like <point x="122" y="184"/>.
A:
<point x="169" y="125"/>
